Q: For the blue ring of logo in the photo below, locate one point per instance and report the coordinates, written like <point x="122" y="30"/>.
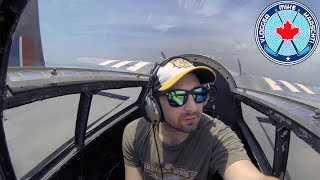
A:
<point x="292" y="49"/>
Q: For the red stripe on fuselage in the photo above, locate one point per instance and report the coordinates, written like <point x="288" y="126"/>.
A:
<point x="28" y="51"/>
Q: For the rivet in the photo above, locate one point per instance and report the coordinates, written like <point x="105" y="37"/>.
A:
<point x="316" y="115"/>
<point x="54" y="72"/>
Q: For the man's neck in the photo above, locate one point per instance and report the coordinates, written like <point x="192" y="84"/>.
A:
<point x="171" y="136"/>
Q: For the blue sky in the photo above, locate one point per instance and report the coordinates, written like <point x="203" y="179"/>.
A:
<point x="140" y="30"/>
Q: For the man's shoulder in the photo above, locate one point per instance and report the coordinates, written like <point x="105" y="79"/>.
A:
<point x="137" y="126"/>
<point x="134" y="123"/>
<point x="214" y="125"/>
<point x="137" y="122"/>
<point x="211" y="122"/>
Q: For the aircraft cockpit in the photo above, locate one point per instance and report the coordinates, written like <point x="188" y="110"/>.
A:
<point x="64" y="104"/>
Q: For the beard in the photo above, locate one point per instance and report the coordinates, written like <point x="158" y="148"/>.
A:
<point x="187" y="122"/>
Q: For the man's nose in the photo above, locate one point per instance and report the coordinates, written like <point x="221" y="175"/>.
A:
<point x="190" y="105"/>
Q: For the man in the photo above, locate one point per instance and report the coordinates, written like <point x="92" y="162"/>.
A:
<point x="181" y="142"/>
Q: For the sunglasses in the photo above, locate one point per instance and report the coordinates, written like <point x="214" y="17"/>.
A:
<point x="179" y="97"/>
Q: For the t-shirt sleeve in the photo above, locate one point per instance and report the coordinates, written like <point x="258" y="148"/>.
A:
<point x="227" y="149"/>
<point x="130" y="155"/>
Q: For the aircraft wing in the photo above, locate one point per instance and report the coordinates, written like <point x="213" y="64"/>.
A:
<point x="304" y="93"/>
<point x="140" y="67"/>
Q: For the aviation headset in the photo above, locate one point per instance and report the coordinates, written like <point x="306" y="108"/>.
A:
<point x="151" y="107"/>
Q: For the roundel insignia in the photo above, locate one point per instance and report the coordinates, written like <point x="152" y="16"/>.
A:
<point x="287" y="32"/>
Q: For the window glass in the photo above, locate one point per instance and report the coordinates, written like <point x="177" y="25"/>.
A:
<point x="262" y="131"/>
<point x="303" y="161"/>
<point x="109" y="102"/>
<point x="36" y="130"/>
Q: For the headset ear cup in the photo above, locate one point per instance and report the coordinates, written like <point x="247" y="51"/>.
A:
<point x="152" y="109"/>
<point x="208" y="95"/>
<point x="206" y="101"/>
<point x="212" y="93"/>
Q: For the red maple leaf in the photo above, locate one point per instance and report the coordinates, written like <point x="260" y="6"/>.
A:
<point x="287" y="33"/>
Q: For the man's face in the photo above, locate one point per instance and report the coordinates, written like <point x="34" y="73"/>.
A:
<point x="186" y="117"/>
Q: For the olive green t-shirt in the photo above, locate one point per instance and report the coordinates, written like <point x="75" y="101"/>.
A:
<point x="212" y="147"/>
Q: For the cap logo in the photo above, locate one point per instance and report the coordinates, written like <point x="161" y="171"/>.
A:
<point x="181" y="63"/>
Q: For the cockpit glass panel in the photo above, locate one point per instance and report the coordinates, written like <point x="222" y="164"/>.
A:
<point x="107" y="103"/>
<point x="37" y="130"/>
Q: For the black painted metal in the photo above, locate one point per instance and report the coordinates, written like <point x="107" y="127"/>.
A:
<point x="9" y="14"/>
<point x="256" y="150"/>
<point x="82" y="118"/>
<point x="45" y="93"/>
<point x="252" y="146"/>
<point x="281" y="151"/>
<point x="114" y="96"/>
<point x="265" y="131"/>
<point x="284" y="125"/>
<point x="81" y="126"/>
<point x="302" y="132"/>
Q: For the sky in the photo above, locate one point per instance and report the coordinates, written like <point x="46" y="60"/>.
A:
<point x="140" y="30"/>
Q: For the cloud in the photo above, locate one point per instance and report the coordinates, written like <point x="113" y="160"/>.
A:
<point x="242" y="46"/>
<point x="67" y="3"/>
<point x="210" y="8"/>
<point x="90" y="33"/>
<point x="191" y="4"/>
<point x="208" y="11"/>
<point x="202" y="7"/>
<point x="149" y="17"/>
<point x="163" y="27"/>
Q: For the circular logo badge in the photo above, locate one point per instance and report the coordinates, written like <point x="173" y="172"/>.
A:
<point x="287" y="32"/>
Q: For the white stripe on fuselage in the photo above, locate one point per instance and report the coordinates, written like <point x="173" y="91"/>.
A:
<point x="137" y="66"/>
<point x="305" y="88"/>
<point x="273" y="84"/>
<point x="108" y="62"/>
<point x="122" y="63"/>
<point x="290" y="86"/>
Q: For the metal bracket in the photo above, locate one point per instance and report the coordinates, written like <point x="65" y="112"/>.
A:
<point x="281" y="150"/>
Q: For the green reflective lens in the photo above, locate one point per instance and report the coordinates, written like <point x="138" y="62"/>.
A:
<point x="178" y="98"/>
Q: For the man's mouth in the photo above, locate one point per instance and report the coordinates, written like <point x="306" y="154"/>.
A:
<point x="190" y="119"/>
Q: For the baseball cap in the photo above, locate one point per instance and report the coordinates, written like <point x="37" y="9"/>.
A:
<point x="174" y="70"/>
